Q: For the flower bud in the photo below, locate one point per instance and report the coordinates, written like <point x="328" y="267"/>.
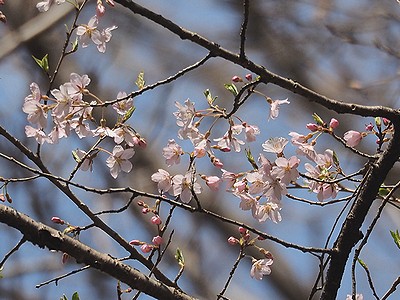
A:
<point x="135" y="243"/>
<point x="57" y="220"/>
<point x="146" y="248"/>
<point x="237" y="79"/>
<point x="249" y="77"/>
<point x="232" y="240"/>
<point x="242" y="230"/>
<point x="157" y="240"/>
<point x="369" y="127"/>
<point x="156" y="220"/>
<point x="311" y="126"/>
<point x="333" y="123"/>
<point x="145" y="210"/>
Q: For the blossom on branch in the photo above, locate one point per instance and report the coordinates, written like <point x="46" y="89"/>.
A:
<point x="260" y="268"/>
<point x="118" y="160"/>
<point x="44" y="6"/>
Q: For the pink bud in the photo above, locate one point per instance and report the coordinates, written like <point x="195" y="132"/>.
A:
<point x="369" y="127"/>
<point x="249" y="77"/>
<point x="232" y="240"/>
<point x="217" y="163"/>
<point x="352" y="138"/>
<point x="225" y="149"/>
<point x="100" y="10"/>
<point x="311" y="126"/>
<point x="260" y="238"/>
<point x="2" y="198"/>
<point x="157" y="240"/>
<point x="242" y="230"/>
<point x="57" y="220"/>
<point x="135" y="243"/>
<point x="237" y="79"/>
<point x="146" y="248"/>
<point x="386" y="121"/>
<point x="156" y="220"/>
<point x="145" y="210"/>
<point x="140" y="203"/>
<point x="246" y="236"/>
<point x="333" y="123"/>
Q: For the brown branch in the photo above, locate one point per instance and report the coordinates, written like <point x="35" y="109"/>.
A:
<point x="45" y="236"/>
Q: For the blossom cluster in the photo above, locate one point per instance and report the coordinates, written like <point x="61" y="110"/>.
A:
<point x="69" y="112"/>
<point x="90" y="32"/>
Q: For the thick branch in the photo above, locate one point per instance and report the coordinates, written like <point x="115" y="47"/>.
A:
<point x="45" y="236"/>
<point x="350" y="232"/>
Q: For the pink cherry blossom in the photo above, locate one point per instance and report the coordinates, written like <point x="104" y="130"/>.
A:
<point x="182" y="185"/>
<point x="247" y="202"/>
<point x="156" y="220"/>
<point x="89" y="32"/>
<point x="274" y="189"/>
<point x="77" y="85"/>
<point x="44" y="6"/>
<point x="251" y="132"/>
<point x="163" y="179"/>
<point x="269" y="210"/>
<point x="285" y="169"/>
<point x="35" y="110"/>
<point x="38" y="134"/>
<point x="124" y="133"/>
<point x="213" y="182"/>
<point x="146" y="248"/>
<point x="275" y="145"/>
<point x="185" y="114"/>
<point x="81" y="128"/>
<point x="352" y="138"/>
<point x="123" y="106"/>
<point x="261" y="268"/>
<point x="229" y="177"/>
<point x="229" y="140"/>
<point x="118" y="160"/>
<point x="257" y="182"/>
<point x="172" y="153"/>
<point x="274" y="112"/>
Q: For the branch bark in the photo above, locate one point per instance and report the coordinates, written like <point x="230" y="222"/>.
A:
<point x="45" y="236"/>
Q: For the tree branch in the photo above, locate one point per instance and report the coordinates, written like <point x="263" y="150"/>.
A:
<point x="45" y="236"/>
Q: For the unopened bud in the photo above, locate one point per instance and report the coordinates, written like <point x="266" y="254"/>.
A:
<point x="57" y="220"/>
<point x="156" y="220"/>
<point x="249" y="77"/>
<point x="237" y="79"/>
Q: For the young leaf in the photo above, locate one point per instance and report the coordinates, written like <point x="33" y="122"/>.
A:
<point x="251" y="159"/>
<point x="75" y="296"/>
<point x="318" y="119"/>
<point x="396" y="238"/>
<point x="43" y="63"/>
<point x="179" y="257"/>
<point x="128" y="114"/>
<point x="75" y="156"/>
<point x="140" y="82"/>
<point x="232" y="88"/>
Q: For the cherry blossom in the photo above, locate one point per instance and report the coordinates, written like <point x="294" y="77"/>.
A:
<point x="251" y="132"/>
<point x="123" y="106"/>
<point x="352" y="138"/>
<point x="213" y="182"/>
<point x="333" y="123"/>
<point x="268" y="210"/>
<point x="124" y="133"/>
<point x="275" y="145"/>
<point x="77" y="85"/>
<point x="89" y="32"/>
<point x="163" y="179"/>
<point x="44" y="6"/>
<point x="285" y="169"/>
<point x="247" y="202"/>
<point x="64" y="102"/>
<point x="118" y="160"/>
<point x="172" y="153"/>
<point x="38" y="134"/>
<point x="35" y="110"/>
<point x="261" y="268"/>
<point x="274" y="112"/>
<point x="182" y="186"/>
<point x="228" y="140"/>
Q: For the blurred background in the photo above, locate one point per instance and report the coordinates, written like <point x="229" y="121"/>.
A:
<point x="347" y="50"/>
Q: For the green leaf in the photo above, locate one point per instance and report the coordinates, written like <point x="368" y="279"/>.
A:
<point x="43" y="63"/>
<point x="140" y="82"/>
<point x="251" y="159"/>
<point x="362" y="263"/>
<point x="318" y="119"/>
<point x="335" y="159"/>
<point x="396" y="238"/>
<point x="179" y="257"/>
<point x="75" y="156"/>
<point x="74" y="46"/>
<point x="128" y="114"/>
<point x="75" y="296"/>
<point x="232" y="88"/>
<point x="383" y="191"/>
